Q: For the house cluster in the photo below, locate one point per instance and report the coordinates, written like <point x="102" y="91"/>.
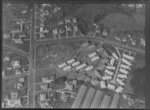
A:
<point x="63" y="29"/>
<point x="48" y="98"/>
<point x="116" y="76"/>
<point x="20" y="30"/>
<point x="101" y="69"/>
<point x="14" y="100"/>
<point x="123" y="37"/>
<point x="13" y="65"/>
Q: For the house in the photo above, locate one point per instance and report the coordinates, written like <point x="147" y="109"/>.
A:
<point x="111" y="86"/>
<point x="74" y="20"/>
<point x="106" y="77"/>
<point x="103" y="84"/>
<point x="67" y="68"/>
<point x="142" y="41"/>
<point x="22" y="79"/>
<point x="6" y="58"/>
<point x="19" y="85"/>
<point x="119" y="81"/>
<point x="81" y="66"/>
<point x="71" y="61"/>
<point x="122" y="76"/>
<point x="85" y="44"/>
<point x="46" y="80"/>
<point x="64" y="97"/>
<point x="14" y="95"/>
<point x="109" y="72"/>
<point x="88" y="68"/>
<point x="111" y="67"/>
<point x="123" y="71"/>
<point x="126" y="61"/>
<point x="44" y="86"/>
<point x="131" y="58"/>
<point x="92" y="54"/>
<point x="60" y="23"/>
<point x="18" y="41"/>
<point x="18" y="71"/>
<point x="13" y="103"/>
<point x="42" y="97"/>
<point x="119" y="89"/>
<point x="95" y="58"/>
<point x="6" y="35"/>
<point x="115" y="56"/>
<point x="75" y="63"/>
<point x="112" y="61"/>
<point x="67" y="21"/>
<point x="125" y="66"/>
<point x="62" y="65"/>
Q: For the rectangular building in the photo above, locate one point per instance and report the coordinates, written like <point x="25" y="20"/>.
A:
<point x="81" y="66"/>
<point x="88" y="99"/>
<point x="62" y="65"/>
<point x="79" y="97"/>
<point x="92" y="54"/>
<point x="96" y="99"/>
<point x="75" y="63"/>
<point x="71" y="61"/>
<point x="115" y="101"/>
<point x="105" y="102"/>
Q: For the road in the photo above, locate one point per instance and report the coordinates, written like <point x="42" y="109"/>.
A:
<point x="93" y="39"/>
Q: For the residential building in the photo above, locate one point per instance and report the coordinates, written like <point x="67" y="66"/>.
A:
<point x="46" y="80"/>
<point x="119" y="81"/>
<point x="123" y="71"/>
<point x="85" y="44"/>
<point x="131" y="58"/>
<point x="112" y="61"/>
<point x="81" y="66"/>
<point x="67" y="68"/>
<point x="44" y="86"/>
<point x="111" y="86"/>
<point x="42" y="97"/>
<point x="106" y="77"/>
<point x="95" y="58"/>
<point x="103" y="84"/>
<point x="115" y="56"/>
<point x="122" y="76"/>
<point x="92" y="54"/>
<point x="111" y="67"/>
<point x="126" y="62"/>
<point x="109" y="72"/>
<point x="71" y="61"/>
<point x="75" y="63"/>
<point x="119" y="89"/>
<point x="125" y="66"/>
<point x="62" y="65"/>
<point x="88" y="68"/>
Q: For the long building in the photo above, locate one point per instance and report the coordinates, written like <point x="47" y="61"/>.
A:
<point x="105" y="102"/>
<point x="79" y="97"/>
<point x="131" y="58"/>
<point x="115" y="101"/>
<point x="88" y="99"/>
<point x="96" y="99"/>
